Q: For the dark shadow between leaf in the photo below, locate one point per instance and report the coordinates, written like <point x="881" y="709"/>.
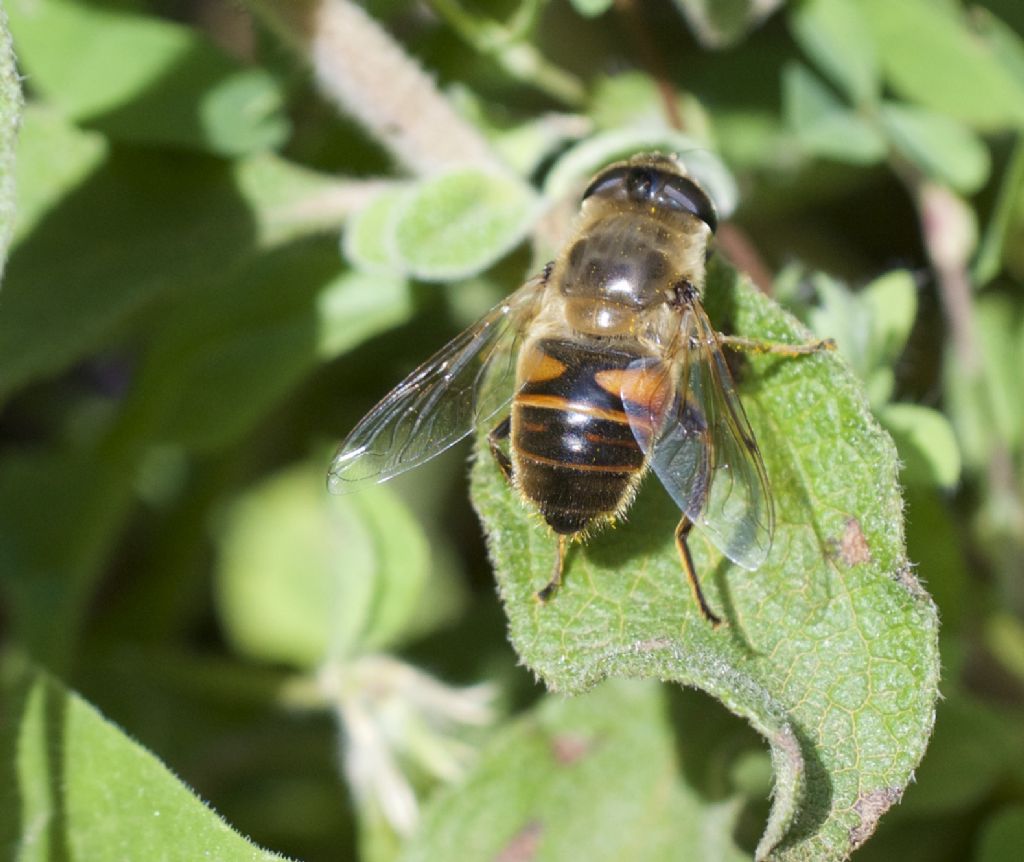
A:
<point x="708" y="739"/>
<point x="55" y="727"/>
<point x="43" y="778"/>
<point x="816" y="803"/>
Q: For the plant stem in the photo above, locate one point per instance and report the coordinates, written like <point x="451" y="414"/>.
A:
<point x="368" y="74"/>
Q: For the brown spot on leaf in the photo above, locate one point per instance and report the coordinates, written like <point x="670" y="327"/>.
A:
<point x="567" y="748"/>
<point x="523" y="845"/>
<point x="871" y="806"/>
<point x="853" y="547"/>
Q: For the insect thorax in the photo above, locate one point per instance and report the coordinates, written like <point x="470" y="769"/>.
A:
<point x="622" y="268"/>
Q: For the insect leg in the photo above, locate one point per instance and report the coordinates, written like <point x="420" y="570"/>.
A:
<point x="498" y="433"/>
<point x="756" y="345"/>
<point x="556" y="576"/>
<point x="682" y="531"/>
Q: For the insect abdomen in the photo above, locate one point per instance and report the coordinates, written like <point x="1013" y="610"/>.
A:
<point x="574" y="454"/>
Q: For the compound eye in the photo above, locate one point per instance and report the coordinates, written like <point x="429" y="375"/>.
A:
<point x="609" y="183"/>
<point x="682" y="193"/>
<point x="641" y="184"/>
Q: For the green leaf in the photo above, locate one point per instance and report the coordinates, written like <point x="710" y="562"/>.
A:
<point x="369" y="239"/>
<point x="988" y="406"/>
<point x="230" y="350"/>
<point x="931" y="57"/>
<point x="53" y="158"/>
<point x="926" y="443"/>
<point x="138" y="228"/>
<point x="830" y="648"/>
<point x="592" y="8"/>
<point x="939" y="145"/>
<point x="594" y="777"/>
<point x="356" y="306"/>
<point x="53" y="540"/>
<point x="993" y="246"/>
<point x="836" y="36"/>
<point x="720" y="23"/>
<point x="459" y="222"/>
<point x="633" y="100"/>
<point x="892" y="302"/>
<point x="528" y="147"/>
<point x="824" y="126"/>
<point x="10" y="117"/>
<point x="870" y="327"/>
<point x="142" y="79"/>
<point x="1002" y="835"/>
<point x="289" y="201"/>
<point x="304" y="577"/>
<point x="143" y="225"/>
<point x="1004" y="41"/>
<point x="84" y="791"/>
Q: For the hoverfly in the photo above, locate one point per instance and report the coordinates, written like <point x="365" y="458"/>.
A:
<point x="611" y="367"/>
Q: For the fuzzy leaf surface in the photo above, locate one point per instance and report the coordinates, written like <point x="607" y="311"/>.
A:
<point x="77" y="788"/>
<point x="830" y="648"/>
<point x="10" y="117"/>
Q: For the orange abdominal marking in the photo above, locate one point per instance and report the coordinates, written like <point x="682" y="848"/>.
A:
<point x="556" y="402"/>
<point x="544" y="367"/>
<point x="586" y="468"/>
<point x="606" y="441"/>
<point x="643" y="386"/>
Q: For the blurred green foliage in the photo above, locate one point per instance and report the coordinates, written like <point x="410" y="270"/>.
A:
<point x="184" y="334"/>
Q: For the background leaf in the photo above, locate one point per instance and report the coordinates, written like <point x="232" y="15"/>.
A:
<point x="186" y="219"/>
<point x="304" y="577"/>
<point x="170" y="85"/>
<point x="939" y="145"/>
<point x="591" y="8"/>
<point x="932" y="59"/>
<point x="460" y="222"/>
<point x="595" y="775"/>
<point x="10" y="117"/>
<point x="718" y="24"/>
<point x="90" y="792"/>
<point x="830" y="649"/>
<point x="835" y="34"/>
<point x="181" y="344"/>
<point x="823" y="125"/>
<point x="369" y="240"/>
<point x="1002" y="836"/>
<point x="926" y="443"/>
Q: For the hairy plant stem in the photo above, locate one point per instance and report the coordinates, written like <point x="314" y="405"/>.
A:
<point x="369" y="75"/>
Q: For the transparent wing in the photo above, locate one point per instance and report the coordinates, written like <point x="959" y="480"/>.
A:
<point x="703" y="450"/>
<point x="462" y="385"/>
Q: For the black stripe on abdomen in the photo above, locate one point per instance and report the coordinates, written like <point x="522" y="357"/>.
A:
<point x="574" y="452"/>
